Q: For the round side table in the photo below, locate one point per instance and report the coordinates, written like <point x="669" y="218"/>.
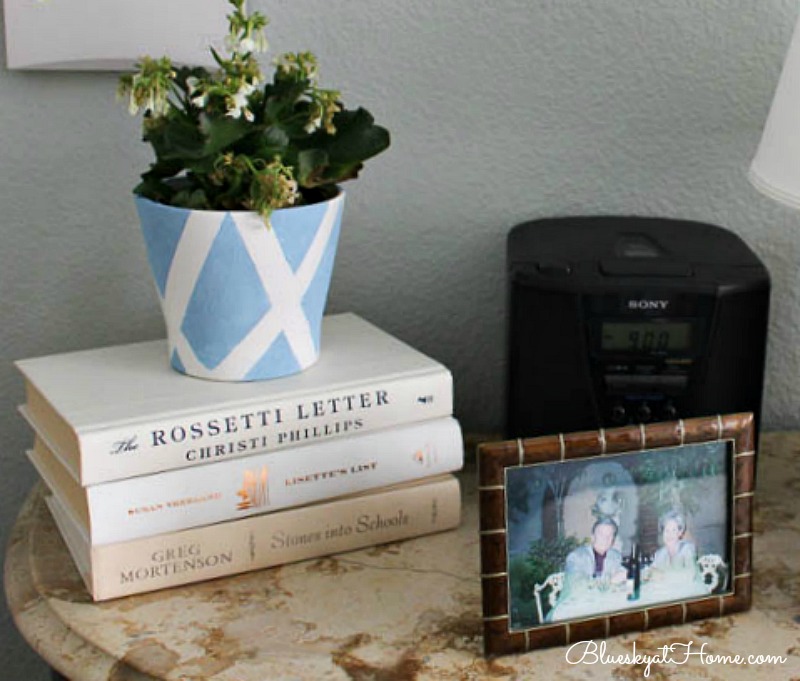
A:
<point x="410" y="610"/>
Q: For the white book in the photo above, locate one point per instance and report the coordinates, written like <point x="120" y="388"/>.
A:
<point x="167" y="560"/>
<point x="175" y="500"/>
<point x="122" y="411"/>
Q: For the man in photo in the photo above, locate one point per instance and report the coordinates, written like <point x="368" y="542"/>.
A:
<point x="595" y="561"/>
<point x="596" y="564"/>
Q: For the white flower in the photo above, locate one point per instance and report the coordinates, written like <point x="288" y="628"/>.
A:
<point x="247" y="44"/>
<point x="237" y="102"/>
<point x="193" y="86"/>
<point x="133" y="105"/>
<point x="313" y="124"/>
<point x="238" y="113"/>
<point x="240" y="99"/>
<point x="157" y="104"/>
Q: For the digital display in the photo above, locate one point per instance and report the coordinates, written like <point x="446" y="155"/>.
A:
<point x="646" y="336"/>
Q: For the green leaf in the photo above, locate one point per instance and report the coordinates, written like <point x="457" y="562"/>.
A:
<point x="335" y="173"/>
<point x="188" y="198"/>
<point x="265" y="144"/>
<point x="222" y="133"/>
<point x="357" y="137"/>
<point x="217" y="57"/>
<point x="311" y="167"/>
<point x="275" y="136"/>
<point x="162" y="169"/>
<point x="154" y="189"/>
<point x="201" y="166"/>
<point x="282" y="98"/>
<point x="177" y="138"/>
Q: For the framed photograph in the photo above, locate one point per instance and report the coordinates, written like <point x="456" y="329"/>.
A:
<point x="110" y="35"/>
<point x="593" y="534"/>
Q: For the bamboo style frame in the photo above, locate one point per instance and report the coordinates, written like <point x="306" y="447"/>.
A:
<point x="495" y="458"/>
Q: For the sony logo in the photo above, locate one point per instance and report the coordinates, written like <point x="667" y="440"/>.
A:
<point x="648" y="304"/>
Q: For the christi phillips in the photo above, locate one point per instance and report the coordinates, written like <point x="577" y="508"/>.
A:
<point x="283" y="437"/>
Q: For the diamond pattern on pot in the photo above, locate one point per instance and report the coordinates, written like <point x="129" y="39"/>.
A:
<point x="296" y="232"/>
<point x="228" y="291"/>
<point x="243" y="301"/>
<point x="279" y="359"/>
<point x="162" y="228"/>
<point x="176" y="362"/>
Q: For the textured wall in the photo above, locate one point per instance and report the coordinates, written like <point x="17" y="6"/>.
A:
<point x="500" y="113"/>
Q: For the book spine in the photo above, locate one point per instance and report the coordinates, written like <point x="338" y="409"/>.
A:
<point x="263" y="483"/>
<point x="275" y="539"/>
<point x="194" y="439"/>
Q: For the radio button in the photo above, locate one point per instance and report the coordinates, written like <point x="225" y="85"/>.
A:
<point x="618" y="414"/>
<point x="644" y="412"/>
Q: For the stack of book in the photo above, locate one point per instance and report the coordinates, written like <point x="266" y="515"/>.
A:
<point x="157" y="479"/>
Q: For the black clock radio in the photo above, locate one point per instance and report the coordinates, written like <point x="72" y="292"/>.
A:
<point x="618" y="320"/>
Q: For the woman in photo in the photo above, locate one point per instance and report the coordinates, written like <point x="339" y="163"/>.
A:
<point x="677" y="557"/>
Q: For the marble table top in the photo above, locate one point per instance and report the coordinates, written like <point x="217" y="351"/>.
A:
<point x="409" y="610"/>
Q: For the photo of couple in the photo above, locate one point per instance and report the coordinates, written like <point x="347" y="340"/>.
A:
<point x="624" y="532"/>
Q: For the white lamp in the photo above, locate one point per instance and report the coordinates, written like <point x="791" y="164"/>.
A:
<point x="775" y="170"/>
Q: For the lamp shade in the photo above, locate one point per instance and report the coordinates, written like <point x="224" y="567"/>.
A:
<point x="775" y="170"/>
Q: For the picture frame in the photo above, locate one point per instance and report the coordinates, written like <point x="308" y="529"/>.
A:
<point x="98" y="35"/>
<point x="567" y="513"/>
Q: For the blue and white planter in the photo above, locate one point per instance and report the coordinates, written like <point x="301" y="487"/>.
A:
<point x="242" y="301"/>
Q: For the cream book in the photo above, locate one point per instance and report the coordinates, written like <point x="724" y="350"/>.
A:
<point x="176" y="558"/>
<point x="117" y="412"/>
<point x="263" y="483"/>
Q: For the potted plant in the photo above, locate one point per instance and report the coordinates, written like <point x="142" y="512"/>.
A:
<point x="241" y="209"/>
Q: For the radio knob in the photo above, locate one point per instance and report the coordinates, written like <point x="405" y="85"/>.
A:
<point x="670" y="412"/>
<point x="644" y="412"/>
<point x="618" y="414"/>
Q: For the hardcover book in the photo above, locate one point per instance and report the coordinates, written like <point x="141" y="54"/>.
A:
<point x="118" y="412"/>
<point x="143" y="506"/>
<point x="176" y="558"/>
